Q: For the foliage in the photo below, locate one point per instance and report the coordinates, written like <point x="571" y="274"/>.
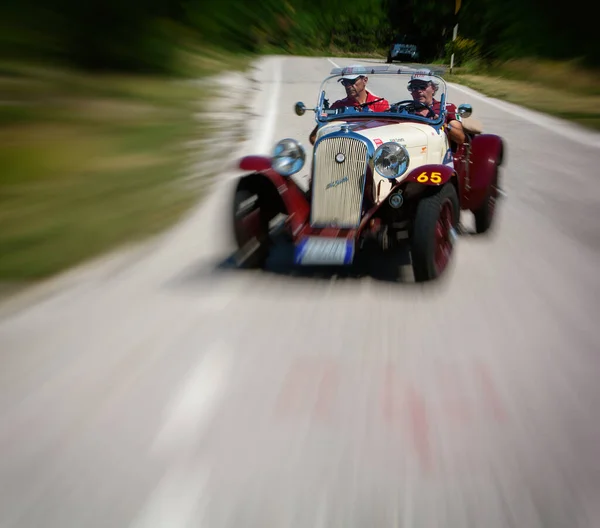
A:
<point x="464" y="50"/>
<point x="510" y="29"/>
<point x="149" y="36"/>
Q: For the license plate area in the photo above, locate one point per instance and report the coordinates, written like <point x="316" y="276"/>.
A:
<point x="324" y="251"/>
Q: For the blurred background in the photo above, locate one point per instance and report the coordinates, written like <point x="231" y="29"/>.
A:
<point x="96" y="107"/>
<point x="164" y="390"/>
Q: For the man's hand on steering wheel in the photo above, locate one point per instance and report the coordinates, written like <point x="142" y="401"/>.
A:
<point x="412" y="106"/>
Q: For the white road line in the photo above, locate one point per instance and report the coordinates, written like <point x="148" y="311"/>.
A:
<point x="334" y="64"/>
<point x="272" y="103"/>
<point x="558" y="126"/>
<point x="182" y="492"/>
<point x="178" y="500"/>
<point x="194" y="405"/>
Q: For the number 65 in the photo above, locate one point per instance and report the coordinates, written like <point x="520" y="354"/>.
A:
<point x="435" y="177"/>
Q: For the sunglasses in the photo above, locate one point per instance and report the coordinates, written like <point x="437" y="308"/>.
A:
<point x="417" y="86"/>
<point x="350" y="82"/>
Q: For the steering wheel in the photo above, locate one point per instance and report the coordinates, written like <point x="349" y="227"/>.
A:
<point x="411" y="106"/>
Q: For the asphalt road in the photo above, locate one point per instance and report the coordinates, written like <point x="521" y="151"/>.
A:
<point x="158" y="390"/>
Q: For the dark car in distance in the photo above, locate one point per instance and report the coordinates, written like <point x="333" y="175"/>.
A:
<point x="403" y="48"/>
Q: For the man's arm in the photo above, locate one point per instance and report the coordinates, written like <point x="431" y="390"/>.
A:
<point x="454" y="128"/>
<point x="455" y="132"/>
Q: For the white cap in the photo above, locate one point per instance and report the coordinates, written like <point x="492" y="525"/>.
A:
<point x="424" y="76"/>
<point x="353" y="72"/>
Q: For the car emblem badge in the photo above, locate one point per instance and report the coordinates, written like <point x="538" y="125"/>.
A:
<point x="336" y="183"/>
<point x="340" y="158"/>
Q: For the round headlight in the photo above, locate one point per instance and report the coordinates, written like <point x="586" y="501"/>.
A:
<point x="391" y="160"/>
<point x="288" y="157"/>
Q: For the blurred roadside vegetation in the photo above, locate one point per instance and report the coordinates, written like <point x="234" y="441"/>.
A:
<point x="95" y="109"/>
<point x="564" y="89"/>
<point x="92" y="160"/>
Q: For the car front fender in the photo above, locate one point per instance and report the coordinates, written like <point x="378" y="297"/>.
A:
<point x="255" y="163"/>
<point x="282" y="193"/>
<point x="432" y="174"/>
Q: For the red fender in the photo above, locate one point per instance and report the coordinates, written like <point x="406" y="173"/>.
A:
<point x="266" y="179"/>
<point x="487" y="153"/>
<point x="255" y="163"/>
<point x="432" y="174"/>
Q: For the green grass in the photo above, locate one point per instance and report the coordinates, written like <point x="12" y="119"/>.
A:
<point x="90" y="162"/>
<point x="562" y="89"/>
<point x="582" y="110"/>
<point x="566" y="76"/>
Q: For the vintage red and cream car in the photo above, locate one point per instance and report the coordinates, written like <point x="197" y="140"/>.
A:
<point x="391" y="177"/>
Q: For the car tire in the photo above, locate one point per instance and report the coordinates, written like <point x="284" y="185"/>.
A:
<point x="389" y="59"/>
<point x="484" y="216"/>
<point x="434" y="232"/>
<point x="248" y="235"/>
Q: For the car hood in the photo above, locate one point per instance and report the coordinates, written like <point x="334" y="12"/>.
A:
<point x="408" y="134"/>
<point x="424" y="144"/>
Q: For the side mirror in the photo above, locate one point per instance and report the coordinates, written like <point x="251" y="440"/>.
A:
<point x="465" y="110"/>
<point x="300" y="109"/>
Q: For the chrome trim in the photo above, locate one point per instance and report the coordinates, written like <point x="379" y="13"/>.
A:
<point x="350" y="134"/>
<point x="301" y="149"/>
<point x="342" y="134"/>
<point x="396" y="200"/>
<point x="465" y="110"/>
<point x="407" y="160"/>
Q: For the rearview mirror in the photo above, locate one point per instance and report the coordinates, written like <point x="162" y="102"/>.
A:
<point x="300" y="109"/>
<point x="465" y="110"/>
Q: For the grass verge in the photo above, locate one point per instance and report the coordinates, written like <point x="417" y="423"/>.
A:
<point x="562" y="89"/>
<point x="90" y="162"/>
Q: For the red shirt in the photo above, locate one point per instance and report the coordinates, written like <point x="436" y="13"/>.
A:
<point x="450" y="110"/>
<point x="381" y="106"/>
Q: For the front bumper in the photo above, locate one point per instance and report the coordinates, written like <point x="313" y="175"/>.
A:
<point x="325" y="251"/>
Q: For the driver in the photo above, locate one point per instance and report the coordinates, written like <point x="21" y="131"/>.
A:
<point x="422" y="88"/>
<point x="357" y="96"/>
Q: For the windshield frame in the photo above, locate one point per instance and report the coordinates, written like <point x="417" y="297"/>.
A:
<point x="322" y="117"/>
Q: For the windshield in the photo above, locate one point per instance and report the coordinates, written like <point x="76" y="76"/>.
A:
<point x="382" y="91"/>
<point x="404" y="39"/>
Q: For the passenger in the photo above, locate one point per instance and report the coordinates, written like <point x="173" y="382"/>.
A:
<point x="422" y="89"/>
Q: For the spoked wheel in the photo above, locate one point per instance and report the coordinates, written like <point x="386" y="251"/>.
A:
<point x="434" y="233"/>
<point x="251" y="228"/>
<point x="484" y="216"/>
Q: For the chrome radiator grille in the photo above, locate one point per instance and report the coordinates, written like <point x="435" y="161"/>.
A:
<point x="337" y="189"/>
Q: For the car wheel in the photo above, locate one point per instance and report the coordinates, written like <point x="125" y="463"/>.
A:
<point x="389" y="59"/>
<point x="434" y="233"/>
<point x="251" y="228"/>
<point x="484" y="216"/>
